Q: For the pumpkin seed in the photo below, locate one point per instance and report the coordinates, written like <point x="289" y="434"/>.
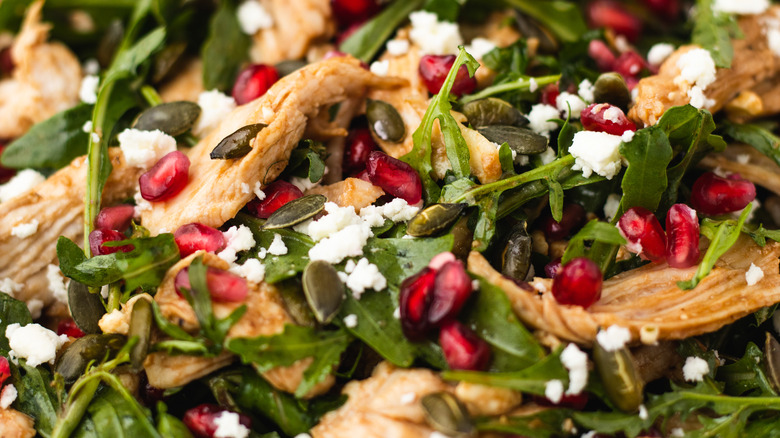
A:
<point x="295" y="303"/>
<point x="446" y="414"/>
<point x="493" y="111"/>
<point x="463" y="238"/>
<point x="772" y="357"/>
<point x="236" y="145"/>
<point x="166" y="59"/>
<point x="74" y="360"/>
<point x="530" y="29"/>
<point x="323" y="289"/>
<point x="296" y="211"/>
<point x="141" y="326"/>
<point x="284" y="68"/>
<point x="620" y="376"/>
<point x="86" y="308"/>
<point x="521" y="140"/>
<point x="516" y="258"/>
<point x="434" y="219"/>
<point x="172" y="118"/>
<point x="611" y="88"/>
<point x="384" y="121"/>
<point x="111" y="40"/>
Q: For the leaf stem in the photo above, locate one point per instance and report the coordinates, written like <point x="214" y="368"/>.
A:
<point x="522" y="84"/>
<point x="151" y="95"/>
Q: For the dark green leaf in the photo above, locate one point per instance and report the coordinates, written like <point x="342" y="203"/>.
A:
<point x="169" y="426"/>
<point x="713" y="31"/>
<point x="225" y="50"/>
<point x="401" y="258"/>
<point x="366" y="42"/>
<point x="596" y="231"/>
<point x="547" y="423"/>
<point x="12" y="311"/>
<point x="37" y="397"/>
<point x="747" y="375"/>
<point x="507" y="162"/>
<point x="760" y="234"/>
<point x="755" y="135"/>
<point x="11" y="13"/>
<point x="648" y="154"/>
<point x="562" y="18"/>
<point x="307" y="161"/>
<point x="511" y="59"/>
<point x="277" y="268"/>
<point x="446" y="10"/>
<point x="111" y="414"/>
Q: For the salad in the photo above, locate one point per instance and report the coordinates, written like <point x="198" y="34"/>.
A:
<point x="403" y="218"/>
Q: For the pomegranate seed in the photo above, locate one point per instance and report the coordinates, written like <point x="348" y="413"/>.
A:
<point x="150" y="395"/>
<point x="441" y="259"/>
<point x="669" y="9"/>
<point x="552" y="269"/>
<point x="224" y="286"/>
<point x="7" y="64"/>
<point x="462" y="348"/>
<point x="253" y="81"/>
<point x="714" y="195"/>
<point x="629" y="64"/>
<point x="194" y="237"/>
<point x="602" y="54"/>
<point x="394" y="177"/>
<point x="201" y="420"/>
<point x="571" y="401"/>
<point x="603" y="117"/>
<point x="610" y="14"/>
<point x="5" y="370"/>
<point x="578" y="283"/>
<point x="550" y="94"/>
<point x="5" y="173"/>
<point x="277" y="194"/>
<point x="682" y="237"/>
<point x="98" y="238"/>
<point x="348" y="12"/>
<point x="451" y="288"/>
<point x="644" y="234"/>
<point x="68" y="327"/>
<point x="416" y="294"/>
<point x="117" y="217"/>
<point x="434" y="69"/>
<point x="166" y="178"/>
<point x="359" y="145"/>
<point x="363" y="175"/>
<point x="573" y="216"/>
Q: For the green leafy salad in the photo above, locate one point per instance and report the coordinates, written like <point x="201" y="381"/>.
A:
<point x="389" y="218"/>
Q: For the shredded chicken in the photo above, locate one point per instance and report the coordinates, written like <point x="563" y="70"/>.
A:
<point x="186" y="85"/>
<point x="351" y="191"/>
<point x="214" y="194"/>
<point x="297" y="25"/>
<point x="14" y="424"/>
<point x="756" y="167"/>
<point x="45" y="79"/>
<point x="647" y="300"/>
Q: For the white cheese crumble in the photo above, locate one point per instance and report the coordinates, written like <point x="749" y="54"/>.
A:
<point x="611" y="206"/>
<point x="34" y="342"/>
<point x="627" y="136"/>
<point x="397" y="210"/>
<point x="539" y="118"/>
<point x="229" y="426"/>
<point x="612" y="114"/>
<point x="91" y="66"/>
<point x="25" y="230"/>
<point x="597" y="152"/>
<point x="659" y="52"/>
<point x="743" y="7"/>
<point x="532" y="85"/>
<point x="772" y="32"/>
<point x="364" y="276"/>
<point x="695" y="369"/>
<point x="480" y="47"/>
<point x="252" y="269"/>
<point x="144" y="148"/>
<point x="548" y="156"/>
<point x="87" y="127"/>
<point x="553" y="390"/>
<point x="677" y="432"/>
<point x="20" y="184"/>
<point x="141" y="204"/>
<point x="246" y="189"/>
<point x="576" y="362"/>
<point x="697" y="71"/>
<point x="9" y="287"/>
<point x="35" y="306"/>
<point x="434" y="37"/>
<point x="337" y="219"/>
<point x="566" y="100"/>
<point x="56" y="283"/>
<point x="238" y="239"/>
<point x="303" y="184"/>
<point x="252" y="17"/>
<point x="351" y="321"/>
<point x="303" y="435"/>
<point x="586" y="90"/>
<point x="398" y="47"/>
<point x="277" y="246"/>
<point x="88" y="89"/>
<point x="8" y="396"/>
<point x="753" y="275"/>
<point x="214" y="107"/>
<point x="613" y="338"/>
<point x="347" y="242"/>
<point x="380" y="68"/>
<point x="643" y="415"/>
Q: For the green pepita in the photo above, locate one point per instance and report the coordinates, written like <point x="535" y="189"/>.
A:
<point x="323" y="289"/>
<point x="86" y="308"/>
<point x="166" y="59"/>
<point x="296" y="211"/>
<point x="521" y="140"/>
<point x="384" y="121"/>
<point x="74" y="359"/>
<point x="611" y="88"/>
<point x="772" y="357"/>
<point x="173" y="118"/>
<point x="516" y="258"/>
<point x="140" y="326"/>
<point x="448" y="415"/>
<point x="493" y="111"/>
<point x="463" y="237"/>
<point x="620" y="377"/>
<point x="434" y="219"/>
<point x="295" y="303"/>
<point x="237" y="144"/>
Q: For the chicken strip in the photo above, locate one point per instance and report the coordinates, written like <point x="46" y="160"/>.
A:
<point x="297" y="25"/>
<point x="350" y="192"/>
<point x="187" y="84"/>
<point x="14" y="424"/>
<point x="214" y="194"/>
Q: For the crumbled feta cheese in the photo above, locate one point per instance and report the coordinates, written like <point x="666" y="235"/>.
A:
<point x="596" y="152"/>
<point x="245" y="189"/>
<point x="252" y="17"/>
<point x="548" y="156"/>
<point x="677" y="432"/>
<point x="698" y="99"/>
<point x="336" y="219"/>
<point x="87" y="127"/>
<point x="104" y="290"/>
<point x="141" y="205"/>
<point x="8" y="396"/>
<point x="229" y="426"/>
<point x="658" y="53"/>
<point x="35" y="306"/>
<point x="743" y="158"/>
<point x="434" y="37"/>
<point x="144" y="148"/>
<point x="539" y="118"/>
<point x="91" y="66"/>
<point x="695" y="369"/>
<point x="351" y="321"/>
<point x="611" y="206"/>
<point x="380" y="68"/>
<point x="553" y="390"/>
<point x="753" y="275"/>
<point x="238" y="239"/>
<point x="589" y="434"/>
<point x="277" y="246"/>
<point x="88" y="89"/>
<point x="347" y="242"/>
<point x="56" y="283"/>
<point x="303" y="435"/>
<point x="613" y="338"/>
<point x="350" y="266"/>
<point x="586" y="90"/>
<point x="20" y="184"/>
<point x="643" y="415"/>
<point x="697" y="71"/>
<point x="364" y="276"/>
<point x="397" y="210"/>
<point x="215" y="107"/>
<point x="94" y="137"/>
<point x="34" y="342"/>
<point x="9" y="287"/>
<point x="627" y="136"/>
<point x="397" y="313"/>
<point x="532" y="85"/>
<point x="262" y="253"/>
<point x="398" y="47"/>
<point x="480" y="47"/>
<point x="576" y="362"/>
<point x="252" y="269"/>
<point x="25" y="230"/>
<point x="612" y="114"/>
<point x="566" y="100"/>
<point x="743" y="7"/>
<point x="303" y="184"/>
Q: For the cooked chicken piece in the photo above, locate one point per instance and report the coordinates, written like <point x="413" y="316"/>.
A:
<point x="297" y="25"/>
<point x="753" y="63"/>
<point x="14" y="424"/>
<point x="499" y="30"/>
<point x="351" y="191"/>
<point x="186" y="85"/>
<point x="647" y="300"/>
<point x="214" y="194"/>
<point x="482" y="400"/>
<point x="265" y="316"/>
<point x="57" y="205"/>
<point x="45" y="79"/>
<point x="756" y="167"/>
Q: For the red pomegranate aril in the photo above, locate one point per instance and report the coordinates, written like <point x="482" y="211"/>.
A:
<point x="415" y="300"/>
<point x="117" y="217"/>
<point x="603" y="117"/>
<point x="441" y="259"/>
<point x="550" y="94"/>
<point x="714" y="195"/>
<point x="277" y="194"/>
<point x="224" y="286"/>
<point x="5" y="173"/>
<point x="451" y="288"/>
<point x="578" y="283"/>
<point x="571" y="401"/>
<point x="669" y="9"/>
<point x="348" y="12"/>
<point x="195" y="237"/>
<point x="98" y="238"/>
<point x="434" y="69"/>
<point x="68" y="327"/>
<point x="629" y="64"/>
<point x="462" y="348"/>
<point x="602" y="54"/>
<point x="573" y="216"/>
<point x="6" y="61"/>
<point x="612" y="15"/>
<point x="394" y="177"/>
<point x="682" y="237"/>
<point x="201" y="420"/>
<point x="253" y="81"/>
<point x="644" y="233"/>
<point x="166" y="178"/>
<point x="359" y="145"/>
<point x="552" y="269"/>
<point x="5" y="370"/>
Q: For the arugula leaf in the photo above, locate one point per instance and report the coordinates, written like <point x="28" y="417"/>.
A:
<point x="169" y="426"/>
<point x="594" y="230"/>
<point x="111" y="414"/>
<point x="755" y="135"/>
<point x="760" y="234"/>
<point x="36" y="397"/>
<point x="307" y="161"/>
<point x="713" y="31"/>
<point x="225" y="49"/>
<point x="507" y="60"/>
<point x="645" y="180"/>
<point x="398" y="259"/>
<point x="547" y="423"/>
<point x="747" y="376"/>
<point x="12" y="311"/>
<point x="522" y="83"/>
<point x="447" y="10"/>
<point x="562" y="18"/>
<point x="369" y="39"/>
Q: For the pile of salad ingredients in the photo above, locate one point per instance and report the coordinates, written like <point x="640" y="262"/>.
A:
<point x="402" y="218"/>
